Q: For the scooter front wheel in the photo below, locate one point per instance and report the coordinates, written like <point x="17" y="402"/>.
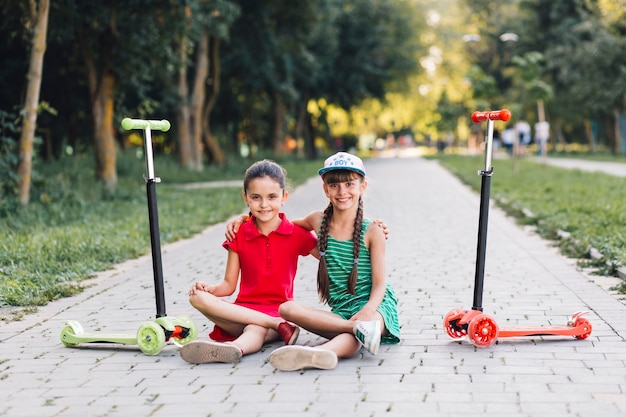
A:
<point x="188" y="328"/>
<point x="69" y="332"/>
<point x="482" y="331"/>
<point x="151" y="338"/>
<point x="452" y="327"/>
<point x="585" y="325"/>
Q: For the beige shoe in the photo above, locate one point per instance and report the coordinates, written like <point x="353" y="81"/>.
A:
<point x="209" y="351"/>
<point x="293" y="358"/>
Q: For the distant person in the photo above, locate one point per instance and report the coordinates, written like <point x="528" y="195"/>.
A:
<point x="508" y="139"/>
<point x="524" y="134"/>
<point x="542" y="135"/>
<point x="351" y="277"/>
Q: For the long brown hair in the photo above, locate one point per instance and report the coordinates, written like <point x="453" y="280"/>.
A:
<point x="323" y="281"/>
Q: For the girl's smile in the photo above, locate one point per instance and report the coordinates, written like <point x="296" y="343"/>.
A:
<point x="344" y="194"/>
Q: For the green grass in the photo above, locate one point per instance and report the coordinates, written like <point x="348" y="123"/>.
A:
<point x="74" y="228"/>
<point x="588" y="206"/>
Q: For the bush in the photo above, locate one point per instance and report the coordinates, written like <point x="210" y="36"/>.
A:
<point x="9" y="159"/>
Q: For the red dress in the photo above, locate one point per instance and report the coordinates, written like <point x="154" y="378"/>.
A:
<point x="268" y="266"/>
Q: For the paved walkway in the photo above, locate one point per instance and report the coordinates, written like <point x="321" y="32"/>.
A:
<point x="431" y="255"/>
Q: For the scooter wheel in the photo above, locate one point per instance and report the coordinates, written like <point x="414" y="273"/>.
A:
<point x="482" y="331"/>
<point x="66" y="333"/>
<point x="584" y="325"/>
<point x="151" y="338"/>
<point x="192" y="330"/>
<point x="452" y="327"/>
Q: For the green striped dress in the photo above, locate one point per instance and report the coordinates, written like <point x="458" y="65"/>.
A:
<point x="339" y="261"/>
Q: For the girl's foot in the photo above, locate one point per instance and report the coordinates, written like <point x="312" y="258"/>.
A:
<point x="209" y="351"/>
<point x="368" y="333"/>
<point x="293" y="358"/>
<point x="288" y="332"/>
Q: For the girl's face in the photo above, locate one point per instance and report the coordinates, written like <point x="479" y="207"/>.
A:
<point x="345" y="194"/>
<point x="264" y="197"/>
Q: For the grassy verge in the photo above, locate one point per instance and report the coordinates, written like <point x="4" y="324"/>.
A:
<point x="74" y="228"/>
<point x="589" y="207"/>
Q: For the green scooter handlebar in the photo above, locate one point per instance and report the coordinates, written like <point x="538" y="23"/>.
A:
<point x="130" y="124"/>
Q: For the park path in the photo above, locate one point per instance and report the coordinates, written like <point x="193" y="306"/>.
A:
<point x="431" y="253"/>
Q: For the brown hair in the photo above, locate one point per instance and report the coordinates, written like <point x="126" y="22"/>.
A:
<point x="323" y="281"/>
<point x="265" y="168"/>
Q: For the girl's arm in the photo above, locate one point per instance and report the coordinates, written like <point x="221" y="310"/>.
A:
<point x="225" y="287"/>
<point x="233" y="226"/>
<point x="311" y="221"/>
<point x="376" y="243"/>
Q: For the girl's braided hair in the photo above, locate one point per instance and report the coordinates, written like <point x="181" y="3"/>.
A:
<point x="323" y="281"/>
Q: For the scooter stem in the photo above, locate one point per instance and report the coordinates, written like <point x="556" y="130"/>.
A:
<point x="483" y="219"/>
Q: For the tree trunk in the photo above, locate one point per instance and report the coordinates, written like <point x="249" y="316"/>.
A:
<point x="102" y="110"/>
<point x="102" y="91"/>
<point x="29" y="122"/>
<point x="300" y="125"/>
<point x="559" y="143"/>
<point x="278" y="123"/>
<point x="198" y="95"/>
<point x="589" y="134"/>
<point x="213" y="148"/>
<point x="183" y="116"/>
<point x="617" y="132"/>
<point x="305" y="130"/>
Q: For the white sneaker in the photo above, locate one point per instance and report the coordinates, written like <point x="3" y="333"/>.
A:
<point x="368" y="333"/>
<point x="296" y="357"/>
<point x="209" y="351"/>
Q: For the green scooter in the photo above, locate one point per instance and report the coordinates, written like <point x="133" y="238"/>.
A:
<point x="151" y="335"/>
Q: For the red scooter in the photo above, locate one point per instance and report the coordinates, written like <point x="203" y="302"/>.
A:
<point x="480" y="328"/>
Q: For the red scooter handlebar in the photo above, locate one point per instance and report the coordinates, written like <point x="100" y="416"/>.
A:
<point x="481" y="116"/>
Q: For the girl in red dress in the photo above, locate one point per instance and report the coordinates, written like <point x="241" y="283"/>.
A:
<point x="263" y="257"/>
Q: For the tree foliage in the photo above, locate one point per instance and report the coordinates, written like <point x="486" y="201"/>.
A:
<point x="265" y="75"/>
<point x="570" y="53"/>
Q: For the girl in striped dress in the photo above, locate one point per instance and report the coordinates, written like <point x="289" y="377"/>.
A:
<point x="351" y="277"/>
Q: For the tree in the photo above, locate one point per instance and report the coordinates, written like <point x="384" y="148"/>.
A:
<point x="38" y="20"/>
<point x="271" y="43"/>
<point x="125" y="49"/>
<point x="289" y="54"/>
<point x="205" y="24"/>
<point x="585" y="60"/>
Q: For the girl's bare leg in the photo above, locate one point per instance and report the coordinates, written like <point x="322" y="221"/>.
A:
<point x="323" y="323"/>
<point x="253" y="338"/>
<point x="251" y="328"/>
<point x="326" y="324"/>
<point x="231" y="317"/>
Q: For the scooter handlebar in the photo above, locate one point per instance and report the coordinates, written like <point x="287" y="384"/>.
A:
<point x="130" y="124"/>
<point x="481" y="116"/>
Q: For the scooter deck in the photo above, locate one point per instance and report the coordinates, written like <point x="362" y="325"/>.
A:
<point x="542" y="331"/>
<point x="117" y="338"/>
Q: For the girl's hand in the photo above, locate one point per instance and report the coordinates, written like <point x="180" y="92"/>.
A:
<point x="233" y="226"/>
<point x="200" y="286"/>
<point x="365" y="314"/>
<point x="382" y="225"/>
